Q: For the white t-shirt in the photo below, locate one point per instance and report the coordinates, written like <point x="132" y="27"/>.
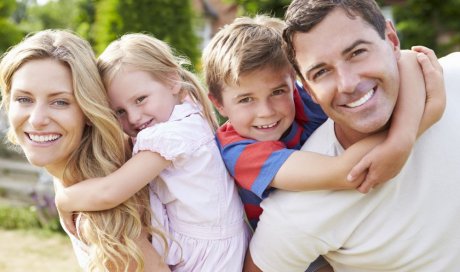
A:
<point x="411" y="223"/>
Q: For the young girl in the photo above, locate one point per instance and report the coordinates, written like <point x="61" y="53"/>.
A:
<point x="163" y="108"/>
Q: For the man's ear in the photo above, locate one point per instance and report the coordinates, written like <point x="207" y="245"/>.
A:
<point x="392" y="38"/>
<point x="219" y="107"/>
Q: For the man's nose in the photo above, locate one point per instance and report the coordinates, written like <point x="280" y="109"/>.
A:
<point x="347" y="79"/>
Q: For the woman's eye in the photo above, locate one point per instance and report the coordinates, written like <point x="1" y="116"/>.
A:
<point x="23" y="100"/>
<point x="61" y="103"/>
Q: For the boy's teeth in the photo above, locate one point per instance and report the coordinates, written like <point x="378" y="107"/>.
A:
<point x="362" y="100"/>
<point x="268" y="126"/>
<point x="43" y="138"/>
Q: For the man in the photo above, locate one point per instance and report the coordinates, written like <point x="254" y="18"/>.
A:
<point x="347" y="56"/>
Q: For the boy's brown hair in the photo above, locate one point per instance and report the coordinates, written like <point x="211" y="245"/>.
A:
<point x="245" y="45"/>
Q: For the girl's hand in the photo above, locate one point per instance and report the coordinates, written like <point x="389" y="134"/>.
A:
<point x="66" y="217"/>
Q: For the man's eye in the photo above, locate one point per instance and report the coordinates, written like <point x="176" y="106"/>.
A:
<point x="319" y="73"/>
<point x="358" y="52"/>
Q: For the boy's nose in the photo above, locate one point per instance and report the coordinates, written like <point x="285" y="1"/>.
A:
<point x="265" y="109"/>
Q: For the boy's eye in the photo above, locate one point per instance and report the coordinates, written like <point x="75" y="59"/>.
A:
<point x="278" y="92"/>
<point x="245" y="100"/>
<point x="140" y="99"/>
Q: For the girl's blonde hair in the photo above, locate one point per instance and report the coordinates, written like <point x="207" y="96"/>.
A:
<point x="111" y="235"/>
<point x="146" y="53"/>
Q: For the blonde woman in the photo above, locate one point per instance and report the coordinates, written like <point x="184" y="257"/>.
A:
<point x="59" y="115"/>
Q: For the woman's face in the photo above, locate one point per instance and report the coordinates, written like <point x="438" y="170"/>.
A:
<point x="44" y="115"/>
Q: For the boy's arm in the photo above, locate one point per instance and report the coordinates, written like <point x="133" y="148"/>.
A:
<point x="413" y="115"/>
<point x="107" y="192"/>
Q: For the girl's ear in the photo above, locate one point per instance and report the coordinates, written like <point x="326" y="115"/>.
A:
<point x="219" y="107"/>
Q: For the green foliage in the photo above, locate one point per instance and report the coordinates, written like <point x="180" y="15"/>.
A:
<point x="25" y="218"/>
<point x="168" y="20"/>
<point x="275" y="8"/>
<point x="431" y="23"/>
<point x="9" y="33"/>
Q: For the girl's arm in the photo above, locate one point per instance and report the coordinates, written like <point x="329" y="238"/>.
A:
<point x="107" y="192"/>
<point x="387" y="159"/>
<point x="325" y="172"/>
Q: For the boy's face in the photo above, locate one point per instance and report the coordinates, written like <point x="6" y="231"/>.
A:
<point x="351" y="71"/>
<point x="261" y="107"/>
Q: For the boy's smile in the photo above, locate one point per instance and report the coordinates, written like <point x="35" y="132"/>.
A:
<point x="261" y="106"/>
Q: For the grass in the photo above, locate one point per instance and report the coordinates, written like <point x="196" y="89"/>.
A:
<point x="26" y="218"/>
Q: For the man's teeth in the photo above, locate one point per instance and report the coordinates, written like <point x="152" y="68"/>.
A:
<point x="268" y="126"/>
<point x="362" y="100"/>
<point x="43" y="138"/>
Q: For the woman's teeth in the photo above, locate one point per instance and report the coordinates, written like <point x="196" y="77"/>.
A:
<point x="43" y="138"/>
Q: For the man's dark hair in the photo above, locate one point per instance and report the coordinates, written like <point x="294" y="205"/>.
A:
<point x="303" y="15"/>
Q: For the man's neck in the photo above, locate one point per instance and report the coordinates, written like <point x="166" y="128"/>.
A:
<point x="347" y="137"/>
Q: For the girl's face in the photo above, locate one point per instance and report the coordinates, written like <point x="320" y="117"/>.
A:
<point x="141" y="101"/>
<point x="47" y="121"/>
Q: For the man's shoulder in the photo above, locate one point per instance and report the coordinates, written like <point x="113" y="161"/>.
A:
<point x="323" y="140"/>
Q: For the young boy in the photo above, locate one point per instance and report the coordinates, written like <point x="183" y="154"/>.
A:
<point x="270" y="116"/>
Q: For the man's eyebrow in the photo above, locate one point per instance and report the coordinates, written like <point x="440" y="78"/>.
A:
<point x="344" y="52"/>
<point x="353" y="45"/>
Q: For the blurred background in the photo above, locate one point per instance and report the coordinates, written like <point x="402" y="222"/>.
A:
<point x="30" y="235"/>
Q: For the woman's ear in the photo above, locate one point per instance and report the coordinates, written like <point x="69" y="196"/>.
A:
<point x="219" y="107"/>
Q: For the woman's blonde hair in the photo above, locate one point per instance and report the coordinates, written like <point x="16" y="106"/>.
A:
<point x="146" y="53"/>
<point x="111" y="235"/>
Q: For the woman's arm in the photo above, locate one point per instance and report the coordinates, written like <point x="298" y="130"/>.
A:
<point x="107" y="192"/>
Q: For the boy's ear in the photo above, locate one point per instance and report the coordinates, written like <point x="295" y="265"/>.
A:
<point x="219" y="107"/>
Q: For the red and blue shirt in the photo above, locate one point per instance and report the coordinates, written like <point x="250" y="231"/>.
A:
<point x="253" y="164"/>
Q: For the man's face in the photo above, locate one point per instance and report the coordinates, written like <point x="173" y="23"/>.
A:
<point x="261" y="106"/>
<point x="351" y="72"/>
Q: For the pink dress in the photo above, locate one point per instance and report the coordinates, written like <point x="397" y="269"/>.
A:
<point x="195" y="199"/>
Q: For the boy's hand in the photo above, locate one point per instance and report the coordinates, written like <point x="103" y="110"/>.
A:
<point x="381" y="164"/>
<point x="434" y="84"/>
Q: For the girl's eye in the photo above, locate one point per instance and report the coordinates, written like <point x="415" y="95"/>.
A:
<point x="119" y="113"/>
<point x="245" y="100"/>
<point x="140" y="99"/>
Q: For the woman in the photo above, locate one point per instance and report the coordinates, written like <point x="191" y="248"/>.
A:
<point x="59" y="115"/>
